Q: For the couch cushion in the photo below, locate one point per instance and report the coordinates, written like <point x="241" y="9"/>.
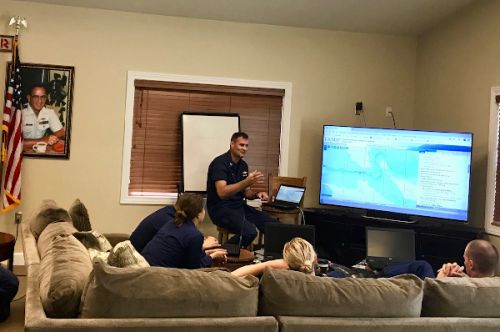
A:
<point x="46" y="214"/>
<point x="164" y="292"/>
<point x="80" y="216"/>
<point x="64" y="270"/>
<point x="462" y="297"/>
<point x="94" y="240"/>
<point x="292" y="293"/>
<point x="124" y="254"/>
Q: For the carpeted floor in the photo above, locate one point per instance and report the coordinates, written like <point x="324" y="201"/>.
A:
<point x="15" y="323"/>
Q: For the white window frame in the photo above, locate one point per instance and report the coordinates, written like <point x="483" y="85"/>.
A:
<point x="492" y="165"/>
<point x="170" y="198"/>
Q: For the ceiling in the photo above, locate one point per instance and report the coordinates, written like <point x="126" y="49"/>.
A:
<point x="401" y="17"/>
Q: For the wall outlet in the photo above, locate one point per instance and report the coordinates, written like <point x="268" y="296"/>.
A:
<point x="18" y="217"/>
<point x="388" y="111"/>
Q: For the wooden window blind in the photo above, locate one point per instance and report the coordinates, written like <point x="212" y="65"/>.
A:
<point x="156" y="163"/>
<point x="496" y="210"/>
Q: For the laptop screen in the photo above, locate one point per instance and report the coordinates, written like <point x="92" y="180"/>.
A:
<point x="290" y="194"/>
<point x="278" y="234"/>
<point x="397" y="244"/>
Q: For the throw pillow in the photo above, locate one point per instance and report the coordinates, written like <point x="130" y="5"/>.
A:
<point x="47" y="213"/>
<point x="93" y="253"/>
<point x="462" y="297"/>
<point x="45" y="241"/>
<point x="80" y="216"/>
<point x="124" y="254"/>
<point x="64" y="270"/>
<point x="292" y="293"/>
<point x="157" y="292"/>
<point x="94" y="240"/>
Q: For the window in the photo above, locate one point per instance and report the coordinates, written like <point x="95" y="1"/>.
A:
<point x="152" y="162"/>
<point x="492" y="213"/>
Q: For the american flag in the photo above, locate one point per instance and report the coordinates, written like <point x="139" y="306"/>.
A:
<point x="12" y="136"/>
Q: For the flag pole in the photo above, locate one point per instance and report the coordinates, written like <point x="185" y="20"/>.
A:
<point x="11" y="156"/>
<point x="19" y="22"/>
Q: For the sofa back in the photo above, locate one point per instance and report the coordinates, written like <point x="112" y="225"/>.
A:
<point x="292" y="293"/>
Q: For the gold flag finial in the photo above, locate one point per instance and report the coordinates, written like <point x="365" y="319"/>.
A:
<point x="19" y="22"/>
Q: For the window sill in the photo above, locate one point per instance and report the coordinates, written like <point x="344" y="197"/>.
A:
<point x="492" y="229"/>
<point x="149" y="200"/>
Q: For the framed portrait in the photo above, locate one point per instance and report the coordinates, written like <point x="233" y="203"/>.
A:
<point x="47" y="95"/>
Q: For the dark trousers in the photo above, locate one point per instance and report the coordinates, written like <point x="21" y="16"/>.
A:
<point x="8" y="289"/>
<point x="420" y="268"/>
<point x="243" y="220"/>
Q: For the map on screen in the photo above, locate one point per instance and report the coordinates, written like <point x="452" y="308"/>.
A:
<point x="403" y="171"/>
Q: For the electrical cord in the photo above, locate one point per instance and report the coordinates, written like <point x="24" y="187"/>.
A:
<point x="364" y="119"/>
<point x="393" y="119"/>
<point x="303" y="216"/>
<point x="17" y="231"/>
<point x="19" y="298"/>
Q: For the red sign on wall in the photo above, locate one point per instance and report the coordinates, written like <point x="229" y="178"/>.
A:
<point x="6" y="43"/>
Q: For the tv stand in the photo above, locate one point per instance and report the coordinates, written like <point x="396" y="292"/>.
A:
<point x="388" y="216"/>
<point x="341" y="237"/>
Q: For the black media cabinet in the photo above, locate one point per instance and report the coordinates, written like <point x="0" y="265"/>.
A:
<point x="340" y="237"/>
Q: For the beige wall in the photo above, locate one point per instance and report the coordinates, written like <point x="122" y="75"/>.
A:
<point x="329" y="71"/>
<point x="457" y="64"/>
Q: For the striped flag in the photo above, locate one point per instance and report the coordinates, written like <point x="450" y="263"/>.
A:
<point x="12" y="136"/>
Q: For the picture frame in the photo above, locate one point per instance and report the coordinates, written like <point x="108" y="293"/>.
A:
<point x="58" y="83"/>
<point x="6" y="43"/>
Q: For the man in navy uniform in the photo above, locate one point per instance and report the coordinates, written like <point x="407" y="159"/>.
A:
<point x="228" y="185"/>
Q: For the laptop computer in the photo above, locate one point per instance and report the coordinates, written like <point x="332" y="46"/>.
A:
<point x="388" y="245"/>
<point x="287" y="197"/>
<point x="278" y="234"/>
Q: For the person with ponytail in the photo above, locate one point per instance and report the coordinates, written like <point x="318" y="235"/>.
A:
<point x="178" y="243"/>
<point x="298" y="255"/>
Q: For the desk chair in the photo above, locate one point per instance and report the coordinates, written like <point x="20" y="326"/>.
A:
<point x="274" y="184"/>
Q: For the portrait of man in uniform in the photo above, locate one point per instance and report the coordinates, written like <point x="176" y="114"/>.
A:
<point x="46" y="112"/>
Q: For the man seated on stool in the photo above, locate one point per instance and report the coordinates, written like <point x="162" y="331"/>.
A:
<point x="480" y="261"/>
<point x="228" y="185"/>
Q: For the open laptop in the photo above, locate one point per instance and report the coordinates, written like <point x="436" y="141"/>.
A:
<point x="278" y="234"/>
<point x="388" y="245"/>
<point x="287" y="197"/>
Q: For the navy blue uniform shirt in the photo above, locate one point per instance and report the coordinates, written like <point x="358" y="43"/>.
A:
<point x="180" y="247"/>
<point x="147" y="229"/>
<point x="223" y="168"/>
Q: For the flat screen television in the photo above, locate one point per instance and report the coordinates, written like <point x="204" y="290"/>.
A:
<point x="397" y="174"/>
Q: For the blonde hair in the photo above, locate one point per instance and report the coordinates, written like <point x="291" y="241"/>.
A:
<point x="299" y="255"/>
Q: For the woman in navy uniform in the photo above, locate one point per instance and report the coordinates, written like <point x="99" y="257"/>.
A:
<point x="179" y="243"/>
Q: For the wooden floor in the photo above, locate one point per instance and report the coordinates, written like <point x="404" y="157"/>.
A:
<point x="15" y="323"/>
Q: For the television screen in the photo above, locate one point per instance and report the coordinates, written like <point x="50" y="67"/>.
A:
<point x="409" y="172"/>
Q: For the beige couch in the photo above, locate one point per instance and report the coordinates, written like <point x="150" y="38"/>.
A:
<point x="284" y="300"/>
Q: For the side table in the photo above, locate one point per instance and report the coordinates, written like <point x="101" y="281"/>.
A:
<point x="7" y="242"/>
<point x="286" y="216"/>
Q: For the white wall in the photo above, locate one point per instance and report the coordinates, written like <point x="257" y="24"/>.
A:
<point x="329" y="72"/>
<point x="457" y="64"/>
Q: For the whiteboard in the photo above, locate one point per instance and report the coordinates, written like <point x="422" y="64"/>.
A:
<point x="204" y="137"/>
